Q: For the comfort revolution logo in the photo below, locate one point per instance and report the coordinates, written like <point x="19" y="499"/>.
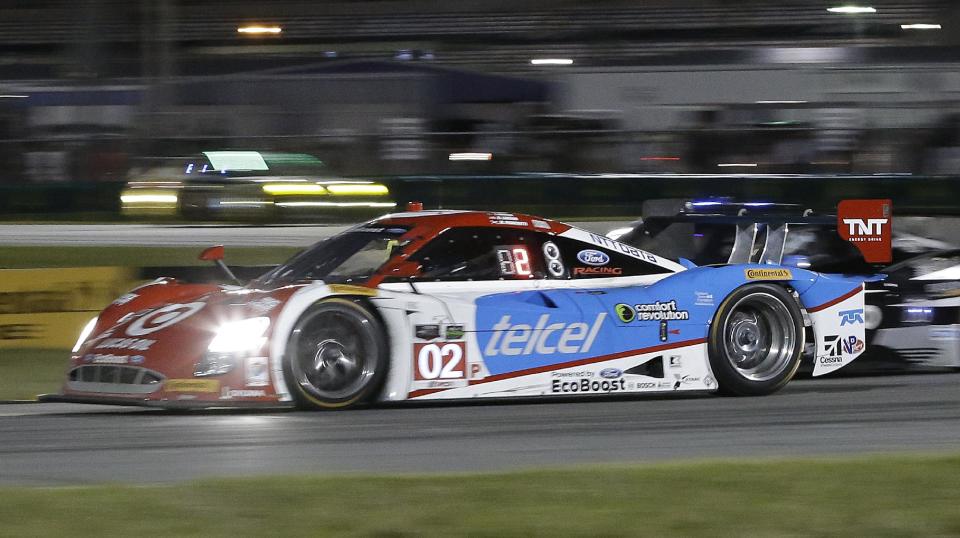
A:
<point x="625" y="312"/>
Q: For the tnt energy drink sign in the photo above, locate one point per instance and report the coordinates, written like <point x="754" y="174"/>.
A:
<point x="47" y="308"/>
<point x="868" y="224"/>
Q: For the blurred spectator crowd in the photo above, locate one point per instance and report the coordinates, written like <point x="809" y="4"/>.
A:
<point x="536" y="143"/>
<point x="104" y="90"/>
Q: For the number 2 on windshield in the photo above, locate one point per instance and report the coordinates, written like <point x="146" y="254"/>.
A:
<point x="514" y="260"/>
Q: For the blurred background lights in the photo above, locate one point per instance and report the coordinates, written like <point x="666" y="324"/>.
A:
<point x="852" y="9"/>
<point x="551" y="61"/>
<point x="471" y="156"/>
<point x="257" y="29"/>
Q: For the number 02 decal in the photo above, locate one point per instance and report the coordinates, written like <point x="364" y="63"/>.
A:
<point x="444" y="360"/>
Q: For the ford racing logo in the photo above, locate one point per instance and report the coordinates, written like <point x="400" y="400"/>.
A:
<point x="593" y="257"/>
<point x="611" y="373"/>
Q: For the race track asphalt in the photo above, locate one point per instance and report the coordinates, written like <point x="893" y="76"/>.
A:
<point x="63" y="444"/>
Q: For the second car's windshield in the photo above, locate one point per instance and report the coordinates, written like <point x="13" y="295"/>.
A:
<point x="351" y="257"/>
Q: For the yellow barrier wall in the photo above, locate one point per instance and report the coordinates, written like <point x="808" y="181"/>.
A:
<point x="47" y="308"/>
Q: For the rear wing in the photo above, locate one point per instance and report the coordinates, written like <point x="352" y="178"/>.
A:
<point x="866" y="224"/>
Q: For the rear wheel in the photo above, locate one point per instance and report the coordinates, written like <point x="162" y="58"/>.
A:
<point x="336" y="356"/>
<point x="756" y="340"/>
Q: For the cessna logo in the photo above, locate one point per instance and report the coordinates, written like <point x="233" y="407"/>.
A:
<point x="544" y="338"/>
<point x="831" y="349"/>
<point x="831" y="345"/>
<point x="865" y="229"/>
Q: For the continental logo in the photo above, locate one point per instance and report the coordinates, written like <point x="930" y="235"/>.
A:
<point x="192" y="385"/>
<point x="768" y="274"/>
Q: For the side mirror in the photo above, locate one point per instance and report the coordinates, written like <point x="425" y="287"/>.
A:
<point x="212" y="254"/>
<point x="215" y="254"/>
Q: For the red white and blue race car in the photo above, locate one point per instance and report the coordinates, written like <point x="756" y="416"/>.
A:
<point x="433" y="305"/>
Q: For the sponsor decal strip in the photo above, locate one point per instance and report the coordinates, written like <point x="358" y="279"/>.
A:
<point x="840" y="299"/>
<point x="569" y="364"/>
<point x="768" y="274"/>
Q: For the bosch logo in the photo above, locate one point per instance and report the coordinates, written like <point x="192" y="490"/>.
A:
<point x="611" y="373"/>
<point x="593" y="257"/>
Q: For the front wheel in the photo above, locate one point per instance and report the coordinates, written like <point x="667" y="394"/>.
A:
<point x="336" y="356"/>
<point x="756" y="340"/>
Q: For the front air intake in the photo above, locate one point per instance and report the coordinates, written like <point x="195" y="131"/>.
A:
<point x="113" y="379"/>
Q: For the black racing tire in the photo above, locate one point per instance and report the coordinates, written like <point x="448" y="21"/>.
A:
<point x="336" y="356"/>
<point x="756" y="340"/>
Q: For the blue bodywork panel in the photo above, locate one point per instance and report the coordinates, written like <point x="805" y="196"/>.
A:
<point x="542" y="328"/>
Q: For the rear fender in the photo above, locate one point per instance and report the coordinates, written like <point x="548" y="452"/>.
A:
<point x="835" y="304"/>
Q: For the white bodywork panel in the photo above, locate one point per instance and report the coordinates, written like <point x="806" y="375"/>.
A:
<point x="450" y="365"/>
<point x="839" y="330"/>
<point x="447" y="304"/>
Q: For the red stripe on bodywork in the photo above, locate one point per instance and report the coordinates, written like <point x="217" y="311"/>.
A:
<point x="570" y="364"/>
<point x="423" y="392"/>
<point x="840" y="299"/>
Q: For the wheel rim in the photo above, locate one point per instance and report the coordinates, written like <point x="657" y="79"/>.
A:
<point x="333" y="357"/>
<point x="760" y="337"/>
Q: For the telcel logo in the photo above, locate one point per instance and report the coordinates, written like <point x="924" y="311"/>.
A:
<point x="544" y="338"/>
<point x="857" y="228"/>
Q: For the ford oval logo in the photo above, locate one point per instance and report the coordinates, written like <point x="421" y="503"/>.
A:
<point x="611" y="373"/>
<point x="593" y="257"/>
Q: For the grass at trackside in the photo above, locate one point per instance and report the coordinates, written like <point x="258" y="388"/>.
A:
<point x="25" y="373"/>
<point x="20" y="257"/>
<point x="881" y="496"/>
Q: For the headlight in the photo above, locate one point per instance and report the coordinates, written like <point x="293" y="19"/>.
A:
<point x="237" y="336"/>
<point x="84" y="334"/>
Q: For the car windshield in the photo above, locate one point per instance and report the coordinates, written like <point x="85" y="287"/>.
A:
<point x="351" y="257"/>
